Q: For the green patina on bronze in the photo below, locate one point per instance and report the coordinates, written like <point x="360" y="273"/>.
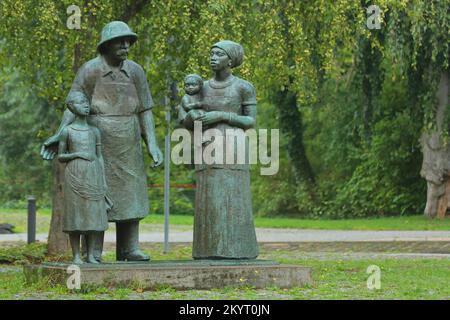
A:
<point x="223" y="222"/>
<point x="120" y="107"/>
<point x="85" y="199"/>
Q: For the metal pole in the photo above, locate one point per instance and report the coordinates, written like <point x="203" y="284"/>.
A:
<point x="167" y="178"/>
<point x="31" y="226"/>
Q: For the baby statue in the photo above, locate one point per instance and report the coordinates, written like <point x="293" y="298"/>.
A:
<point x="192" y="100"/>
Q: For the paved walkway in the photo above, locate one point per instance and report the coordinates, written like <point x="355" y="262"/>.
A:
<point x="180" y="234"/>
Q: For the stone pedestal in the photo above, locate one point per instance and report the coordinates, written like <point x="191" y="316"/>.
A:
<point x="180" y="275"/>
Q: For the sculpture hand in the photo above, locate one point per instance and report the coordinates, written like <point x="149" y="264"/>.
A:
<point x="193" y="115"/>
<point x="211" y="117"/>
<point x="50" y="148"/>
<point x="156" y="155"/>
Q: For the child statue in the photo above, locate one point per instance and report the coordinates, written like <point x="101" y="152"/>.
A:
<point x="85" y="201"/>
<point x="192" y="100"/>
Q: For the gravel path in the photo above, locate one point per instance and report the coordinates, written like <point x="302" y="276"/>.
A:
<point x="184" y="234"/>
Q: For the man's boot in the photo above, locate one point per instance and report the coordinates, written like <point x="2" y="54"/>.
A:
<point x="127" y="246"/>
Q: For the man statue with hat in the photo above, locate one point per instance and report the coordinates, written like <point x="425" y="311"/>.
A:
<point x="121" y="108"/>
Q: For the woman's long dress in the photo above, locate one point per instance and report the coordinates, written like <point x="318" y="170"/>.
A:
<point x="223" y="222"/>
<point x="84" y="187"/>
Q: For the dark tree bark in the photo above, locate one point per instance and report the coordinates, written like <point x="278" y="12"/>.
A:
<point x="436" y="157"/>
<point x="291" y="125"/>
<point x="371" y="75"/>
<point x="58" y="241"/>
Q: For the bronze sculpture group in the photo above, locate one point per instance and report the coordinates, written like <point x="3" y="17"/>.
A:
<point x="109" y="112"/>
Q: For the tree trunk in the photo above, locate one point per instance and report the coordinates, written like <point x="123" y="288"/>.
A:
<point x="58" y="241"/>
<point x="291" y="125"/>
<point x="371" y="83"/>
<point x="436" y="158"/>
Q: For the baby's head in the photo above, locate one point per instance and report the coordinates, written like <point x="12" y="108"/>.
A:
<point x="193" y="84"/>
<point x="78" y="103"/>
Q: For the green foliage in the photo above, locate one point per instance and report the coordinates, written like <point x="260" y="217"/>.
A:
<point x="31" y="253"/>
<point x="23" y="117"/>
<point x="385" y="180"/>
<point x="362" y="132"/>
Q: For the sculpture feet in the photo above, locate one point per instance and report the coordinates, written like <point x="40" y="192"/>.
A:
<point x="77" y="260"/>
<point x="136" y="255"/>
<point x="91" y="259"/>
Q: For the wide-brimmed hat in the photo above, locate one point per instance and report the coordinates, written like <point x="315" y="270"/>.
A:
<point x="116" y="29"/>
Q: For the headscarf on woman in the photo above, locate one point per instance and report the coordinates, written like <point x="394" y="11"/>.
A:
<point x="234" y="51"/>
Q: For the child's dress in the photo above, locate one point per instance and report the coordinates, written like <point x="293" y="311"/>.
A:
<point x="84" y="188"/>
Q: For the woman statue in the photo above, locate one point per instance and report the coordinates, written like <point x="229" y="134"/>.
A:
<point x="223" y="222"/>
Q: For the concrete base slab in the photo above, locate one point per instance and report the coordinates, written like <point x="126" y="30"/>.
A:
<point x="180" y="275"/>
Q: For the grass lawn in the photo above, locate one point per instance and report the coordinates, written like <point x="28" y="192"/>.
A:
<point x="333" y="279"/>
<point x="18" y="217"/>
